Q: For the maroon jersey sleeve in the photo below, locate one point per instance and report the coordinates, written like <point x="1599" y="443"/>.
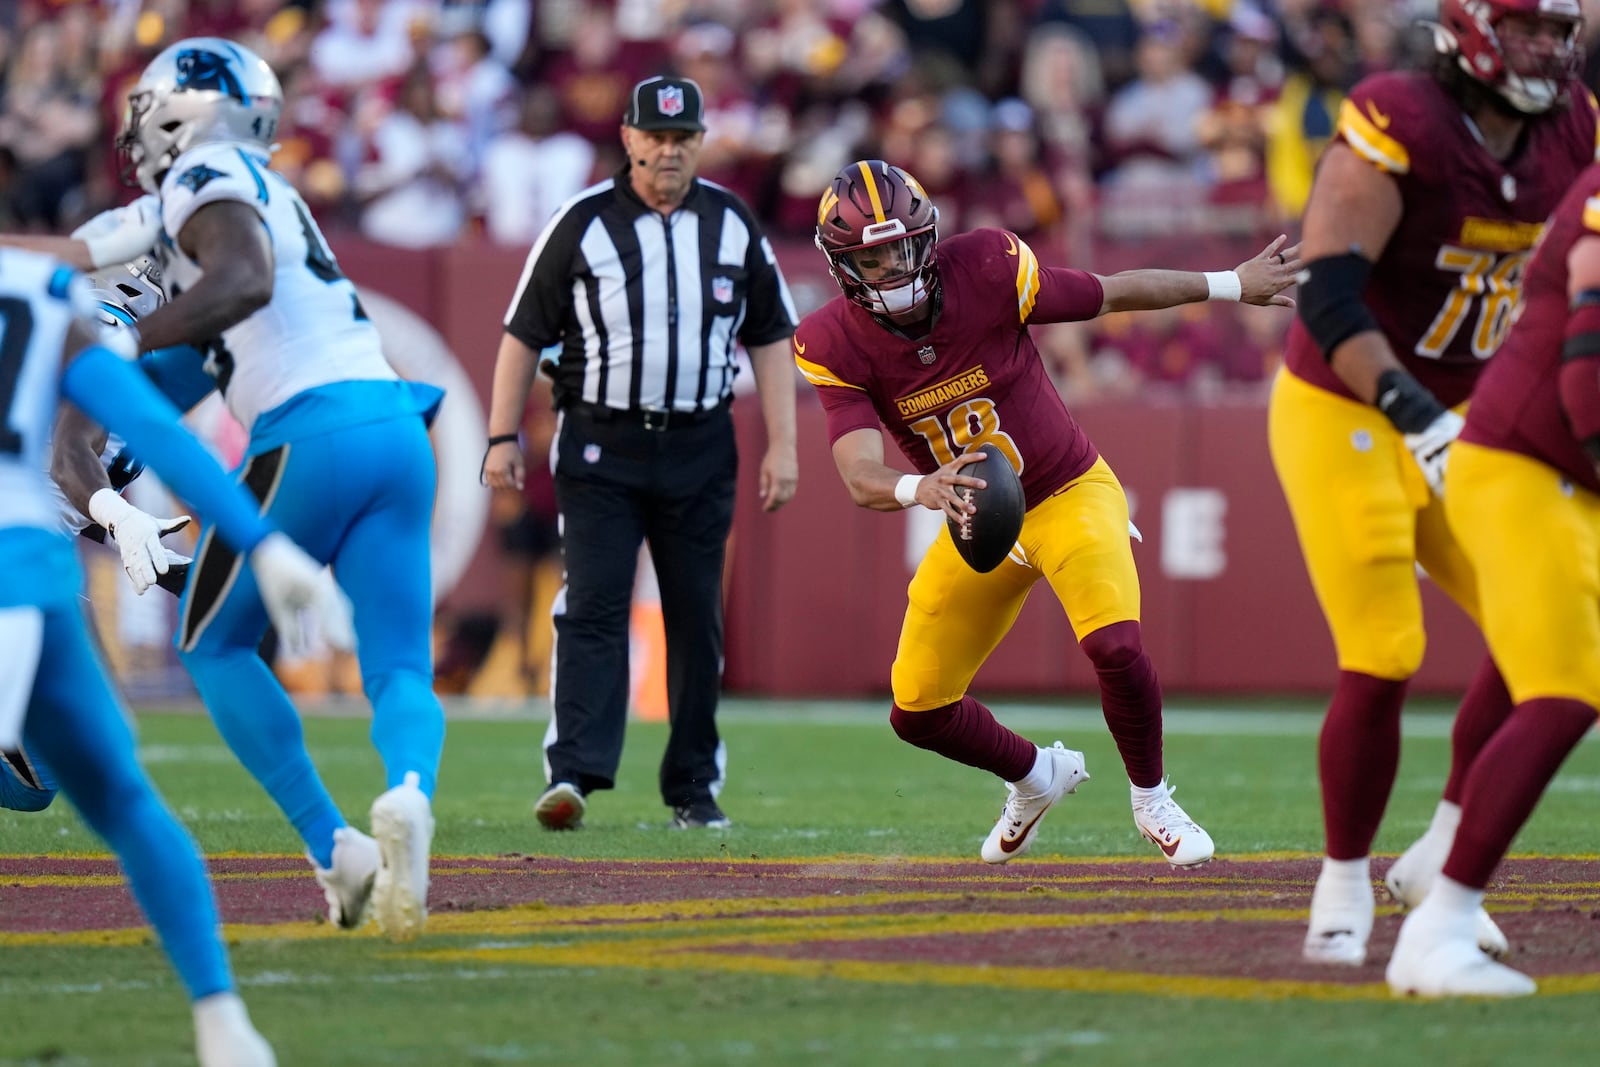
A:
<point x="826" y="360"/>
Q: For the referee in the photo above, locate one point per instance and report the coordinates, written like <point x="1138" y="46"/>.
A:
<point x="646" y="281"/>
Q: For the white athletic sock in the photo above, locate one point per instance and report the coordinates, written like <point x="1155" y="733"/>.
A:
<point x="1040" y="778"/>
<point x="1446" y="817"/>
<point x="1143" y="798"/>
<point x="1453" y="898"/>
<point x="1348" y="871"/>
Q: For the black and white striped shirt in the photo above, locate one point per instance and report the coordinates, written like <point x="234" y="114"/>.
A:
<point x="647" y="307"/>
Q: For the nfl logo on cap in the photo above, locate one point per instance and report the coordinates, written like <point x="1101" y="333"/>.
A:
<point x="669" y="100"/>
<point x="663" y="103"/>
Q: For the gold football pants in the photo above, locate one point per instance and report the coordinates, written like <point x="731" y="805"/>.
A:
<point x="1077" y="540"/>
<point x="1534" y="539"/>
<point x="1365" y="519"/>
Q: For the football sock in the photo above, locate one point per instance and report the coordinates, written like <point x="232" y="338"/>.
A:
<point x="1508" y="778"/>
<point x="1484" y="709"/>
<point x="1358" y="754"/>
<point x="1349" y="873"/>
<point x="967" y="732"/>
<point x="407" y="726"/>
<point x="1038" y="779"/>
<point x="1451" y="897"/>
<point x="1142" y="796"/>
<point x="255" y="717"/>
<point x="1130" y="697"/>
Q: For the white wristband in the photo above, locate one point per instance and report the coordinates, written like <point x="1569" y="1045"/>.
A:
<point x="108" y="508"/>
<point x="1223" y="285"/>
<point x="905" y="490"/>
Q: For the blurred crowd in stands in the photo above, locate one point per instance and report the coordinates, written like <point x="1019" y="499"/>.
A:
<point x="1078" y="124"/>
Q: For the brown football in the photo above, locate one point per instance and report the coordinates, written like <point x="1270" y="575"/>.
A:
<point x="985" y="539"/>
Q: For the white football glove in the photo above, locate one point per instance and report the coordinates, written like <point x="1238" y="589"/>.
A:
<point x="292" y="586"/>
<point x="137" y="535"/>
<point x="1431" y="448"/>
<point x="122" y="233"/>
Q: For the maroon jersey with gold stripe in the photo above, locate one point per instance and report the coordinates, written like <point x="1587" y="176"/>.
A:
<point x="1444" y="288"/>
<point x="1516" y="406"/>
<point x="974" y="378"/>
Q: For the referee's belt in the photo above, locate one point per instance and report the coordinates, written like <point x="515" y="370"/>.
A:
<point x="658" y="419"/>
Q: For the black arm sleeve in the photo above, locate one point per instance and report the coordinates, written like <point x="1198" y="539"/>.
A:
<point x="1330" y="300"/>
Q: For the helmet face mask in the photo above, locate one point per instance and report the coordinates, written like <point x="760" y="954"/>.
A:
<point x="1526" y="52"/>
<point x="198" y="90"/>
<point x="878" y="229"/>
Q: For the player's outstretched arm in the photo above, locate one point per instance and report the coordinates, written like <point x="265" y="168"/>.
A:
<point x="119" y="235"/>
<point x="1259" y="280"/>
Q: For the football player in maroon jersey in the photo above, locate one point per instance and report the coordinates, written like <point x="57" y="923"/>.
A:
<point x="1424" y="210"/>
<point x="1524" y="502"/>
<point x="930" y="341"/>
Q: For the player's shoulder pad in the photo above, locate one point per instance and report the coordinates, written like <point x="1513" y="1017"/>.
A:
<point x="1001" y="263"/>
<point x="1388" y="119"/>
<point x="214" y="171"/>
<point x="820" y="352"/>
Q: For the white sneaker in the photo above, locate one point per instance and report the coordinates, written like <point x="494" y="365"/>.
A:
<point x="1019" y="816"/>
<point x="347" y="885"/>
<point x="1169" y="827"/>
<point x="1437" y="955"/>
<point x="1342" y="908"/>
<point x="402" y="821"/>
<point x="1411" y="876"/>
<point x="225" y="1037"/>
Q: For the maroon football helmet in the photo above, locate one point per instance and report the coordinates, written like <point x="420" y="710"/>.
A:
<point x="1525" y="51"/>
<point x="877" y="227"/>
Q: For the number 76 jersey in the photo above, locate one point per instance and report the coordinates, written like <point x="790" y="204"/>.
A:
<point x="313" y="331"/>
<point x="975" y="378"/>
<point x="1444" y="288"/>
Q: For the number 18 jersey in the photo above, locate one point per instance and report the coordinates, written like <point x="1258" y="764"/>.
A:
<point x="314" y="331"/>
<point x="1445" y="286"/>
<point x="976" y="377"/>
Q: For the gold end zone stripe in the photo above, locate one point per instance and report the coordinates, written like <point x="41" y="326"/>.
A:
<point x="1027" y="280"/>
<point x="817" y="374"/>
<point x="1371" y="143"/>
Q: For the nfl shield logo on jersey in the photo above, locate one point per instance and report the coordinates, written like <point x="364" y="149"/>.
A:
<point x="669" y="100"/>
<point x="591" y="453"/>
<point x="925" y="353"/>
<point x="722" y="290"/>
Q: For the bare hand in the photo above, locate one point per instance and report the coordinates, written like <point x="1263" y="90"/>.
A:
<point x="941" y="490"/>
<point x="503" y="466"/>
<point x="1264" y="277"/>
<point x="780" y="476"/>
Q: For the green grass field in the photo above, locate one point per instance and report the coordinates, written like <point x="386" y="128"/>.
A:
<point x="804" y="780"/>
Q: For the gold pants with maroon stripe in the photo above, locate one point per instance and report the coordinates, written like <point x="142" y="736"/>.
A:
<point x="1077" y="540"/>
<point x="1534" y="538"/>
<point x="1365" y="520"/>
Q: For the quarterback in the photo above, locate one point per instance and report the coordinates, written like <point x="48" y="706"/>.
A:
<point x="1424" y="211"/>
<point x="930" y="341"/>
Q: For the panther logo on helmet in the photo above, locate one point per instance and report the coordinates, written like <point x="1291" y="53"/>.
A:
<point x="878" y="227"/>
<point x="1524" y="51"/>
<point x="199" y="90"/>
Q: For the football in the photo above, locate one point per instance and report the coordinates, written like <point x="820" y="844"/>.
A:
<point x="985" y="539"/>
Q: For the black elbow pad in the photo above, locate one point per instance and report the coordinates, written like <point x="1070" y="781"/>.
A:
<point x="1330" y="301"/>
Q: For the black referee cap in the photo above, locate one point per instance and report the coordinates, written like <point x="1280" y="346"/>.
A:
<point x="663" y="103"/>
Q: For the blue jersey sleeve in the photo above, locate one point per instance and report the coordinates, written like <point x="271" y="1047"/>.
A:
<point x="111" y="392"/>
<point x="180" y="373"/>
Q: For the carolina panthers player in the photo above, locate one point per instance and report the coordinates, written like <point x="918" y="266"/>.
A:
<point x="338" y="455"/>
<point x="54" y="693"/>
<point x="89" y="466"/>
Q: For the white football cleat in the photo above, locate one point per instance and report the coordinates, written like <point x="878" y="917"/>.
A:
<point x="1411" y="876"/>
<point x="347" y="885"/>
<point x="1170" y="829"/>
<point x="1019" y="818"/>
<point x="402" y="821"/>
<point x="1437" y="955"/>
<point x="1342" y="909"/>
<point x="225" y="1037"/>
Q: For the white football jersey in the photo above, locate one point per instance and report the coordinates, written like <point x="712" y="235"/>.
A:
<point x="39" y="300"/>
<point x="313" y="331"/>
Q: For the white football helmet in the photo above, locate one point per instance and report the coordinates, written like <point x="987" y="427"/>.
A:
<point x="125" y="295"/>
<point x="199" y="90"/>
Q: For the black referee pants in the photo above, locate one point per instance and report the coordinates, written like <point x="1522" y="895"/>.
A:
<point x="619" y="484"/>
